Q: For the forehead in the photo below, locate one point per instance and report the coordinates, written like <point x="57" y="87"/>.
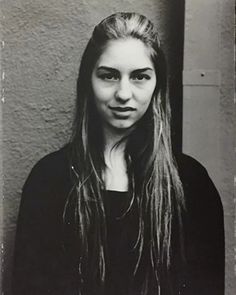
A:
<point x="126" y="54"/>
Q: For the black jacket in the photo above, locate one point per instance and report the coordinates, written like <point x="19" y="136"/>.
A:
<point x="41" y="266"/>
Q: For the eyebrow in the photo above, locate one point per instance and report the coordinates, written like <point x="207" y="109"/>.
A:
<point x="115" y="70"/>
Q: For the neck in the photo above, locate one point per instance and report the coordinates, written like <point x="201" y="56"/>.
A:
<point x="112" y="138"/>
<point x="115" y="173"/>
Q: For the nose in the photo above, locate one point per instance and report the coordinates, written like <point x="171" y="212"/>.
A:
<point x="124" y="91"/>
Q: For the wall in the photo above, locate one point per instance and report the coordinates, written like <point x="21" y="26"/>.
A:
<point x="208" y="103"/>
<point x="43" y="45"/>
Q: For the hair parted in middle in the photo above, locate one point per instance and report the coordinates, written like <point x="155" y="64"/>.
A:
<point x="154" y="181"/>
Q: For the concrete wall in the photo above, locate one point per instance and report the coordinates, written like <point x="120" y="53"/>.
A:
<point x="208" y="103"/>
<point x="43" y="43"/>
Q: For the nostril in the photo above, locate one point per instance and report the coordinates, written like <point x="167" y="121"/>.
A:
<point x="122" y="97"/>
<point x="123" y="92"/>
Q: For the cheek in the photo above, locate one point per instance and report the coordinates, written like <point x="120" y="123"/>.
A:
<point x="145" y="106"/>
<point x="145" y="97"/>
<point x="101" y="94"/>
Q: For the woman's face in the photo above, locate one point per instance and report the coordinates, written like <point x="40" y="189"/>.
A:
<point x="123" y="82"/>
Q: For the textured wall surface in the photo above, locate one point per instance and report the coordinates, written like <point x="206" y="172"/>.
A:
<point x="209" y="109"/>
<point x="44" y="41"/>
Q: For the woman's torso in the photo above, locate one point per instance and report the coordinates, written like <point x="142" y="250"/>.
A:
<point x="43" y="265"/>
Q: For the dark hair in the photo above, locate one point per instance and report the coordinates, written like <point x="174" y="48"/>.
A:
<point x="153" y="177"/>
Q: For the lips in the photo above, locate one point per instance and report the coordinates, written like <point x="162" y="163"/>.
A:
<point x="122" y="109"/>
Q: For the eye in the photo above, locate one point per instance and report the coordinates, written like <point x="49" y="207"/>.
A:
<point x="140" y="77"/>
<point x="109" y="77"/>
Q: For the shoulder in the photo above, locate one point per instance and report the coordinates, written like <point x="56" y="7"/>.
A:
<point x="191" y="172"/>
<point x="46" y="189"/>
<point x="52" y="167"/>
<point x="203" y="229"/>
<point x="49" y="179"/>
<point x="53" y="162"/>
<point x="200" y="191"/>
<point x="189" y="168"/>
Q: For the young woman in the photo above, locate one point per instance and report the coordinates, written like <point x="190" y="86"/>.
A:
<point x="114" y="211"/>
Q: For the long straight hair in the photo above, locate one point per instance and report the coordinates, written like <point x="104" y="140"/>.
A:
<point x="154" y="182"/>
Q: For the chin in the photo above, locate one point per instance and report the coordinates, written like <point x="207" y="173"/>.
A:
<point x="123" y="127"/>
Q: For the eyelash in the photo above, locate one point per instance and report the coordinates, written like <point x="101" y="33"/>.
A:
<point x="114" y="77"/>
<point x="140" y="77"/>
<point x="109" y="77"/>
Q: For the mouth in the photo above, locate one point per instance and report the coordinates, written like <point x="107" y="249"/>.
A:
<point x="122" y="109"/>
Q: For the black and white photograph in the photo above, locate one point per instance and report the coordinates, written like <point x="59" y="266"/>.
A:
<point x="117" y="131"/>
